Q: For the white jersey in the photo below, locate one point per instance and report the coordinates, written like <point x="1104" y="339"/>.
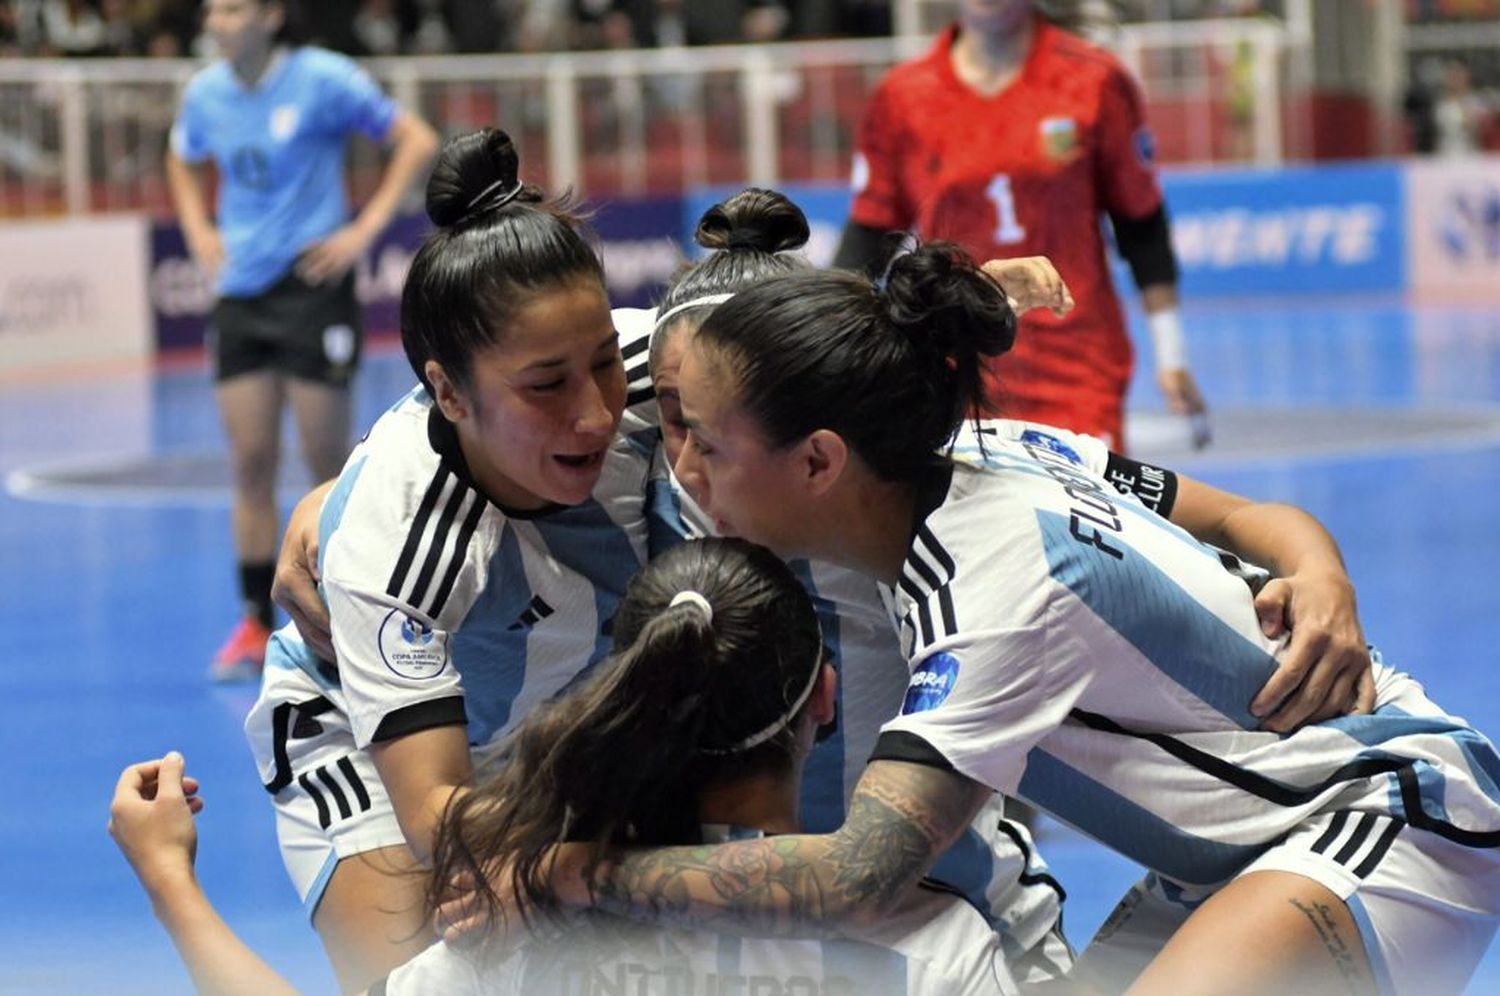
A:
<point x="994" y="864"/>
<point x="447" y="608"/>
<point x="937" y="944"/>
<point x="1068" y="644"/>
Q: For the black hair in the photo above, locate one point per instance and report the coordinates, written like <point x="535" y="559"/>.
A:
<point x="892" y="371"/>
<point x="621" y="756"/>
<point x="749" y="237"/>
<point x="498" y="242"/>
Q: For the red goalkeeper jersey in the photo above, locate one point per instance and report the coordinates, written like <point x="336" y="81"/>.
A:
<point x="1026" y="172"/>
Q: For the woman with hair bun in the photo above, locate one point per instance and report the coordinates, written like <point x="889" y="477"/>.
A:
<point x="751" y="238"/>
<point x="697" y="728"/>
<point x="1071" y="638"/>
<point x="471" y="553"/>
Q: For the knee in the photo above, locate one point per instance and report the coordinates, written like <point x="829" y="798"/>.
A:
<point x="254" y="467"/>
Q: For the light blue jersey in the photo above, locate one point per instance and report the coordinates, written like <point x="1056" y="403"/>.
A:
<point x="279" y="148"/>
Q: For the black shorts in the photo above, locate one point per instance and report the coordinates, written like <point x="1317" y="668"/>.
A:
<point x="308" y="331"/>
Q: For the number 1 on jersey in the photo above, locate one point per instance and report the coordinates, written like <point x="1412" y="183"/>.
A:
<point x="1008" y="230"/>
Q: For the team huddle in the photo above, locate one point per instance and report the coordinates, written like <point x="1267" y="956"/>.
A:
<point x="696" y="649"/>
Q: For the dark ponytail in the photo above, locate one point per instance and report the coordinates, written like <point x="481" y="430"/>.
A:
<point x="498" y="242"/>
<point x="621" y="757"/>
<point x="893" y="372"/>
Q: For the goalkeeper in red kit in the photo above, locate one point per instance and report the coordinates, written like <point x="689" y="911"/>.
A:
<point x="1011" y="136"/>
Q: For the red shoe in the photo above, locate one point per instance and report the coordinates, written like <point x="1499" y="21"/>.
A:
<point x="242" y="655"/>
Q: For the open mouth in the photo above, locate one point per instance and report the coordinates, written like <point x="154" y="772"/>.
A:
<point x="585" y="461"/>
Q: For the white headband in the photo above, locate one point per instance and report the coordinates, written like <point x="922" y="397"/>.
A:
<point x="693" y="598"/>
<point x="761" y="736"/>
<point x="697" y="302"/>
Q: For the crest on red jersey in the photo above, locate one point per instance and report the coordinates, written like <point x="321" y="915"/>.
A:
<point x="1059" y="137"/>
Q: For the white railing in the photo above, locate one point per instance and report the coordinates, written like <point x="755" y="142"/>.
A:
<point x="79" y="136"/>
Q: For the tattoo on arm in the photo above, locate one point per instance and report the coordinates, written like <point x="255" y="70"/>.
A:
<point x="1345" y="959"/>
<point x="901" y="818"/>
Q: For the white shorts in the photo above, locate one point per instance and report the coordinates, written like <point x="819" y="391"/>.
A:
<point x="1426" y="908"/>
<point x="330" y="802"/>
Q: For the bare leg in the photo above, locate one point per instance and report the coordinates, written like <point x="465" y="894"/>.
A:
<point x="323" y="416"/>
<point x="370" y="918"/>
<point x="1267" y="932"/>
<point x="250" y="405"/>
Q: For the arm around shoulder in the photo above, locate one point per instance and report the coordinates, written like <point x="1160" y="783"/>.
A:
<point x="901" y="817"/>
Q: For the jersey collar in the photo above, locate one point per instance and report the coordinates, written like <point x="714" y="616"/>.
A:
<point x="932" y="490"/>
<point x="942" y="54"/>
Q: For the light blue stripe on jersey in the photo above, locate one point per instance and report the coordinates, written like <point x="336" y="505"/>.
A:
<point x="485" y="638"/>
<point x="1033" y="468"/>
<point x="1390" y="722"/>
<point x="1182" y="639"/>
<point x="823" y="774"/>
<point x="334" y="505"/>
<point x="869" y="969"/>
<point x="665" y="527"/>
<point x="968" y="865"/>
<point x="1127" y="827"/>
<point x="286" y="651"/>
<point x="585" y="538"/>
<point x="644" y="441"/>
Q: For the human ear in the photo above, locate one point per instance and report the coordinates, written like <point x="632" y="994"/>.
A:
<point x="446" y="393"/>
<point x="823" y="704"/>
<point x="824" y="456"/>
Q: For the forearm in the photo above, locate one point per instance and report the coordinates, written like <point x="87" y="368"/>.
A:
<point x="413" y="149"/>
<point x="1281" y="538"/>
<point x="899" y="821"/>
<point x="187" y="195"/>
<point x="420" y="822"/>
<point x="219" y="962"/>
<point x="422" y="772"/>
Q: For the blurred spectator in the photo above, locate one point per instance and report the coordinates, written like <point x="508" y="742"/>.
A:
<point x="378" y="29"/>
<point x="544" y="26"/>
<point x="10" y="30"/>
<point x="661" y="23"/>
<point x="1418" y="106"/>
<point x="432" y="36"/>
<point x="475" y="25"/>
<point x="328" y="23"/>
<point x="72" y="27"/>
<point x="123" y="35"/>
<point x="1458" y="112"/>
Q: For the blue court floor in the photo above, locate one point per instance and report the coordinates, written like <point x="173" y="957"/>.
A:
<point x="115" y="569"/>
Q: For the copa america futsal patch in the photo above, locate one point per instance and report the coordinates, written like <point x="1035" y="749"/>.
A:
<point x="931" y="683"/>
<point x="411" y="648"/>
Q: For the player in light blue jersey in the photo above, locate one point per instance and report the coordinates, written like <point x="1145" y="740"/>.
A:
<point x="697" y="728"/>
<point x="275" y="120"/>
<point x="1082" y="646"/>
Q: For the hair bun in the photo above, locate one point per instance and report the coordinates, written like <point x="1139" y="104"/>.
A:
<point x="945" y="302"/>
<point x="474" y="169"/>
<point x="753" y="220"/>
